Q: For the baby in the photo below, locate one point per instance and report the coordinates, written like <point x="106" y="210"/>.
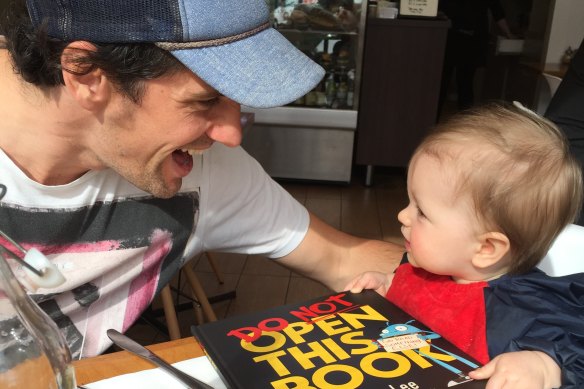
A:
<point x="489" y="191"/>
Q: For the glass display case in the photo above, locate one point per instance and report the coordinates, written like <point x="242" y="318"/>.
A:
<point x="312" y="138"/>
<point x="327" y="32"/>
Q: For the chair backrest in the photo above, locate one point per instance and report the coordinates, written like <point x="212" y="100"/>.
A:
<point x="552" y="81"/>
<point x="566" y="256"/>
<point x="547" y="89"/>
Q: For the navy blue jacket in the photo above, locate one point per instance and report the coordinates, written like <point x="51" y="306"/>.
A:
<point x="538" y="312"/>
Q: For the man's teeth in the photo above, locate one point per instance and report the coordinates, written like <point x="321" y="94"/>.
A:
<point x="192" y="151"/>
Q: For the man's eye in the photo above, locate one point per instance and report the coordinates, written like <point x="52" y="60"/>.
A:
<point x="202" y="105"/>
<point x="210" y="103"/>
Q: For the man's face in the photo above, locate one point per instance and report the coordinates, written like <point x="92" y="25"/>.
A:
<point x="149" y="143"/>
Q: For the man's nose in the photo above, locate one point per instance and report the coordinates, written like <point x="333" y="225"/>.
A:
<point x="226" y="124"/>
<point x="227" y="133"/>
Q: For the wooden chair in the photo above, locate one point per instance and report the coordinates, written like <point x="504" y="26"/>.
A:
<point x="203" y="309"/>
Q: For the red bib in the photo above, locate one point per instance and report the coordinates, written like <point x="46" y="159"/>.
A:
<point x="455" y="311"/>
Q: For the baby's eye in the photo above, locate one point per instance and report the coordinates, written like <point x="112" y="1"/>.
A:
<point x="420" y="212"/>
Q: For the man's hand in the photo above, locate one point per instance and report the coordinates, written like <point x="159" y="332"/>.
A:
<point x="380" y="282"/>
<point x="520" y="370"/>
<point x="334" y="258"/>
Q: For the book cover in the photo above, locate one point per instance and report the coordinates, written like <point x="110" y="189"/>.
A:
<point x="342" y="340"/>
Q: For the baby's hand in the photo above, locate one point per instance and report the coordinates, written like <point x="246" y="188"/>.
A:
<point x="520" y="370"/>
<point x="380" y="282"/>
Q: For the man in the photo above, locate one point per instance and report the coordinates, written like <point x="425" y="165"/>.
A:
<point x="106" y="110"/>
<point x="565" y="109"/>
<point x="467" y="45"/>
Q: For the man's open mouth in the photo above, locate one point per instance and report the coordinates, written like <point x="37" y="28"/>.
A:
<point x="183" y="157"/>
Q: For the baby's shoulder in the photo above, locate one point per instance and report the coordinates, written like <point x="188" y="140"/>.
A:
<point x="536" y="291"/>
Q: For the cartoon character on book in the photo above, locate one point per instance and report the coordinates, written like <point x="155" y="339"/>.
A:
<point x="399" y="337"/>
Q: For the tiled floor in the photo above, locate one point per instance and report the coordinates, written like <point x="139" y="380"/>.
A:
<point x="260" y="283"/>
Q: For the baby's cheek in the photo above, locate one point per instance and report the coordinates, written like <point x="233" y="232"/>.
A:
<point x="412" y="259"/>
<point x="416" y="252"/>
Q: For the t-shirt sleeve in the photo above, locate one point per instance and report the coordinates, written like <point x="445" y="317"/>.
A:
<point x="243" y="210"/>
<point x="538" y="312"/>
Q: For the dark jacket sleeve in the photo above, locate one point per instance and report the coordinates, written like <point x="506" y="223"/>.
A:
<point x="542" y="313"/>
<point x="566" y="107"/>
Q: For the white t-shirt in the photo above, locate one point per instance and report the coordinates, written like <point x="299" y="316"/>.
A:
<point x="118" y="245"/>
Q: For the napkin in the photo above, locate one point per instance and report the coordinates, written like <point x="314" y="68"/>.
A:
<point x="199" y="368"/>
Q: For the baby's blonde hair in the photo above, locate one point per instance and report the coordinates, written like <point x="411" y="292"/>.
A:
<point x="519" y="172"/>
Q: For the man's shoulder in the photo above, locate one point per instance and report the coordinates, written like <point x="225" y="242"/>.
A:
<point x="224" y="162"/>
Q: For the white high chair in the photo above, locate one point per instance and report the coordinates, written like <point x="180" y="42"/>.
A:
<point x="548" y="85"/>
<point x="566" y="256"/>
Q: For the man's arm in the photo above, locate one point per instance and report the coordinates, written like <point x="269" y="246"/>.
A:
<point x="335" y="258"/>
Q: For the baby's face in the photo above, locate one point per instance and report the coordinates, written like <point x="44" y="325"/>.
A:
<point x="439" y="224"/>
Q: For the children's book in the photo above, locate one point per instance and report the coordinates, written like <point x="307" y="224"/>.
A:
<point x="343" y="340"/>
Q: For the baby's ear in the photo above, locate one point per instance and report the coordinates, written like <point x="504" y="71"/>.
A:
<point x="493" y="247"/>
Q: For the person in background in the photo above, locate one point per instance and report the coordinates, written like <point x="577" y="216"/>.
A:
<point x="489" y="192"/>
<point x="566" y="109"/>
<point x="467" y="45"/>
<point x="282" y="13"/>
<point x="120" y="152"/>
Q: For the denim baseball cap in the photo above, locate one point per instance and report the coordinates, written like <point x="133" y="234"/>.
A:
<point x="230" y="44"/>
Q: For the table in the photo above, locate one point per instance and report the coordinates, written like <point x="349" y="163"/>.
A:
<point x="555" y="69"/>
<point x="122" y="362"/>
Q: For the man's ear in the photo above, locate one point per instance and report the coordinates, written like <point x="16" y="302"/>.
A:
<point x="86" y="84"/>
<point x="493" y="247"/>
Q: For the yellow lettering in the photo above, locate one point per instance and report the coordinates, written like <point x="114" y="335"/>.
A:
<point x="355" y="377"/>
<point x="304" y="358"/>
<point x="403" y="365"/>
<point x="369" y="314"/>
<point x="335" y="348"/>
<point x="328" y="326"/>
<point x="275" y="363"/>
<point x="368" y="343"/>
<point x="295" y="330"/>
<point x="278" y="341"/>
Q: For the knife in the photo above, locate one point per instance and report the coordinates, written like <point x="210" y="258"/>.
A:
<point x="137" y="349"/>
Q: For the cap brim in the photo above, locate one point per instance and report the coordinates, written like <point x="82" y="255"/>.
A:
<point x="261" y="71"/>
